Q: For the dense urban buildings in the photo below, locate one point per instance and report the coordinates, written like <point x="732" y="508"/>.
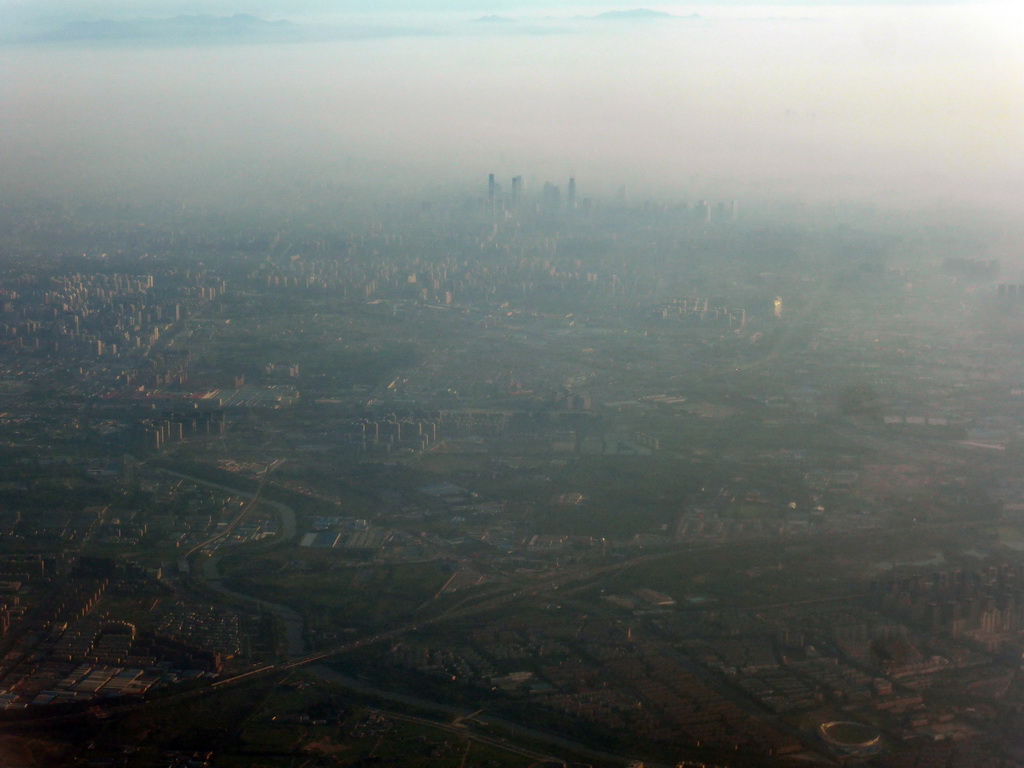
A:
<point x="674" y="481"/>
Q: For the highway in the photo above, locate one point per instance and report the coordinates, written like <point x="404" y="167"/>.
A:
<point x="561" y="583"/>
<point x="294" y="625"/>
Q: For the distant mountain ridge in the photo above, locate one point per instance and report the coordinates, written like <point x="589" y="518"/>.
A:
<point x="241" y="26"/>
<point x="635" y="13"/>
<point x="639" y="14"/>
<point x="247" y="28"/>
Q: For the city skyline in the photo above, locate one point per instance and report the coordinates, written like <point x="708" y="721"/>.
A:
<point x="900" y="104"/>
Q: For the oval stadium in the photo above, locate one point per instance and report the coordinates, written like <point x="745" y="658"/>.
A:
<point x="850" y="738"/>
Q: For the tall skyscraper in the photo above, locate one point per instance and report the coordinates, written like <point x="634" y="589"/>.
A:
<point x="491" y="187"/>
<point x="572" y="191"/>
<point x="552" y="199"/>
<point x="702" y="211"/>
<point x="517" y="189"/>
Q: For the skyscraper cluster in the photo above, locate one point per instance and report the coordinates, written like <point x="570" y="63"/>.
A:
<point x="550" y="202"/>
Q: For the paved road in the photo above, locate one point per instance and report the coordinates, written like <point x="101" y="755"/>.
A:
<point x="294" y="625"/>
<point x="466" y="718"/>
<point x="287" y="514"/>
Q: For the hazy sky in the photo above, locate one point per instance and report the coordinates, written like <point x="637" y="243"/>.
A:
<point x="893" y="101"/>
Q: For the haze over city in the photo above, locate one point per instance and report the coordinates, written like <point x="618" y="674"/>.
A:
<point x="511" y="384"/>
<point x="900" y="103"/>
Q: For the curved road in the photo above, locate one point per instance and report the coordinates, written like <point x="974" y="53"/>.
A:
<point x="294" y="626"/>
<point x="462" y="715"/>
